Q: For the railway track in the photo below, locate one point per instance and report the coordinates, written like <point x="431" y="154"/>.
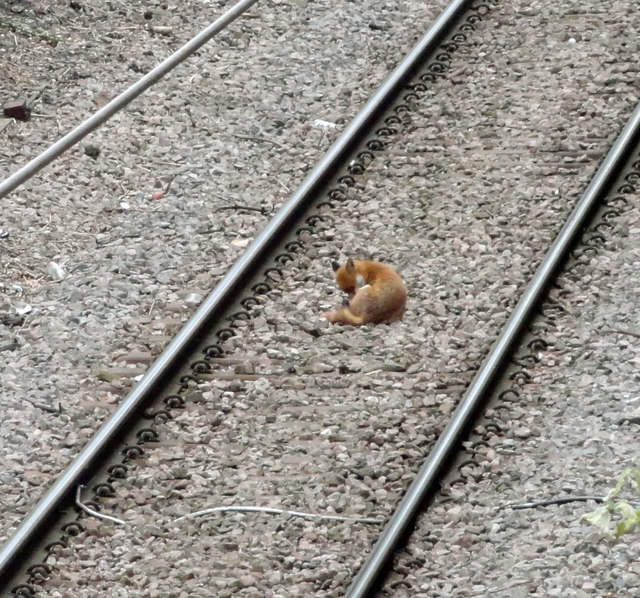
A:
<point x="275" y="379"/>
<point x="222" y="301"/>
<point x="503" y="378"/>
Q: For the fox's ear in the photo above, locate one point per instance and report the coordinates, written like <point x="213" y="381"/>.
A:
<point x="350" y="265"/>
<point x="335" y="266"/>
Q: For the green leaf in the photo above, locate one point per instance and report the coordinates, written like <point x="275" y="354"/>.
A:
<point x="600" y="517"/>
<point x="630" y="518"/>
<point x="635" y="475"/>
<point x="622" y="480"/>
<point x="625" y="509"/>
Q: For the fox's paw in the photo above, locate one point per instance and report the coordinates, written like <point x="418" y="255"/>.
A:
<point x="332" y="316"/>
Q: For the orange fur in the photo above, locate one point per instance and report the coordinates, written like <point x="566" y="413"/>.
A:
<point x="376" y="293"/>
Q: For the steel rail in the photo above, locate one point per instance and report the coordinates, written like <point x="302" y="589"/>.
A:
<point x="119" y="102"/>
<point x="425" y="482"/>
<point x="223" y="294"/>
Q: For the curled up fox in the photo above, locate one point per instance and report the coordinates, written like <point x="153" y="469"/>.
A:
<point x="377" y="294"/>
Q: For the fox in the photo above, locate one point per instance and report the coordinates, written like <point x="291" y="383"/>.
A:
<point x="377" y="294"/>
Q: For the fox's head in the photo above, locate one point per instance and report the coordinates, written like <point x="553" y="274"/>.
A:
<point x="346" y="276"/>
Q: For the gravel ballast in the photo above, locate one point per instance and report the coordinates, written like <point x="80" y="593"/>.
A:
<point x="231" y="131"/>
<point x="570" y="433"/>
<point x="314" y="418"/>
